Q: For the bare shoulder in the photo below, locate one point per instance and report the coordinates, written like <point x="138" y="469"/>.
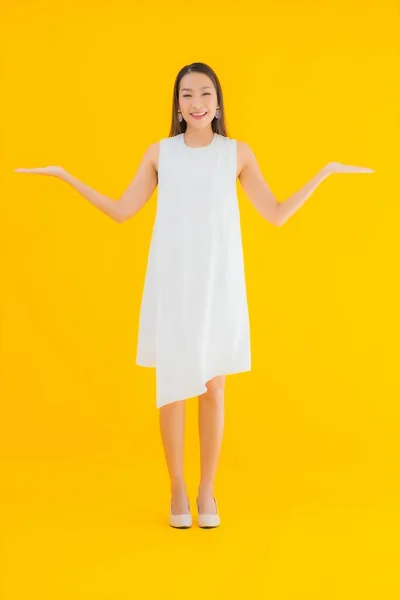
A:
<point x="243" y="156"/>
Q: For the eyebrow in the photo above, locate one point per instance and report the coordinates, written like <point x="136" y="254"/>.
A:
<point x="190" y="89"/>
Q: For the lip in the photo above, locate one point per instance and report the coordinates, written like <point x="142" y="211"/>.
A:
<point x="198" y="114"/>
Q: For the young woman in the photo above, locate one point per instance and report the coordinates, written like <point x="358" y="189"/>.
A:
<point x="194" y="322"/>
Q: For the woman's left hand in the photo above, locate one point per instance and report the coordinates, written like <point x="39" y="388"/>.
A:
<point x="337" y="167"/>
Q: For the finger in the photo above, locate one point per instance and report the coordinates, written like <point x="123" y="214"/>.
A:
<point x="358" y="169"/>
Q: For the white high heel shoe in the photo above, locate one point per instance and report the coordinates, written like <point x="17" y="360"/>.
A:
<point x="208" y="521"/>
<point x="182" y="521"/>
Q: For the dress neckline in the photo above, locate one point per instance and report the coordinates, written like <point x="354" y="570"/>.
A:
<point x="198" y="147"/>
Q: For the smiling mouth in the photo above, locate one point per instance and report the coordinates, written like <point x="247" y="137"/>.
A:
<point x="198" y="114"/>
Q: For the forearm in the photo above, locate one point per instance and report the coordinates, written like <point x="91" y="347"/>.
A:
<point x="107" y="205"/>
<point x="288" y="207"/>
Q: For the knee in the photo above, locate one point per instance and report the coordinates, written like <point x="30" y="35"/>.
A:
<point x="216" y="388"/>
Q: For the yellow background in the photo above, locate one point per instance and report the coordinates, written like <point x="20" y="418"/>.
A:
<point x="308" y="482"/>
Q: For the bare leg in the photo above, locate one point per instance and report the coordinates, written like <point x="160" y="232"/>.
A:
<point x="211" y="425"/>
<point x="172" y="426"/>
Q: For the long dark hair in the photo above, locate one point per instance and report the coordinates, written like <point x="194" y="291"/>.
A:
<point x="217" y="125"/>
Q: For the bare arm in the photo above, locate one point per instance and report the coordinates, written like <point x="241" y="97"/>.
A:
<point x="134" y="197"/>
<point x="107" y="205"/>
<point x="141" y="188"/>
<point x="259" y="193"/>
<point x="263" y="199"/>
<point x="288" y="207"/>
<point x="137" y="193"/>
<point x="255" y="186"/>
<point x="292" y="204"/>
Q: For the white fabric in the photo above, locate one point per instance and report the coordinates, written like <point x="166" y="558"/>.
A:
<point x="194" y="320"/>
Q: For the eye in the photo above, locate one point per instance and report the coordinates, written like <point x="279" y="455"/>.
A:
<point x="205" y="93"/>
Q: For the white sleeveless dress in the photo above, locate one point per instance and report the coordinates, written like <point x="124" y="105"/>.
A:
<point x="194" y="320"/>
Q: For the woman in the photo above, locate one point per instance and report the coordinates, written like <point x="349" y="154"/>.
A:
<point x="194" y="322"/>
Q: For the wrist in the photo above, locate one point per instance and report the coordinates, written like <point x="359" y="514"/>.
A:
<point x="63" y="174"/>
<point x="326" y="170"/>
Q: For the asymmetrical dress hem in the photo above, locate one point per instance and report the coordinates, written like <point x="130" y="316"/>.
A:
<point x="193" y="391"/>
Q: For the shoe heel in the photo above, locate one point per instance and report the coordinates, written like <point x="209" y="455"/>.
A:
<point x="208" y="521"/>
<point x="182" y="521"/>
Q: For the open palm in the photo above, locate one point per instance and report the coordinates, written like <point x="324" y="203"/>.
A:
<point x="337" y="167"/>
<point x="54" y="171"/>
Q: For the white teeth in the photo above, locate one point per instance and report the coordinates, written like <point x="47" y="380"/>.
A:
<point x="198" y="114"/>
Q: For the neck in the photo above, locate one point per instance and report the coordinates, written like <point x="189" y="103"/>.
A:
<point x="195" y="137"/>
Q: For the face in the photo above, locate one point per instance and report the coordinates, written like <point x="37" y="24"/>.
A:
<point x="197" y="94"/>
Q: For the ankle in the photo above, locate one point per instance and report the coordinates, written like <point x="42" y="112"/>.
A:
<point x="206" y="489"/>
<point x="178" y="488"/>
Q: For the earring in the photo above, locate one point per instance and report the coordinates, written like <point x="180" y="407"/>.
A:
<point x="180" y="117"/>
<point x="218" y="114"/>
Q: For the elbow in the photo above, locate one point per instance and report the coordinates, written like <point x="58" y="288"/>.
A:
<point x="278" y="222"/>
<point x="272" y="216"/>
<point x="119" y="214"/>
<point x="121" y="218"/>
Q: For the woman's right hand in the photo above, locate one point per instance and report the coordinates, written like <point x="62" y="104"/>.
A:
<point x="53" y="171"/>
